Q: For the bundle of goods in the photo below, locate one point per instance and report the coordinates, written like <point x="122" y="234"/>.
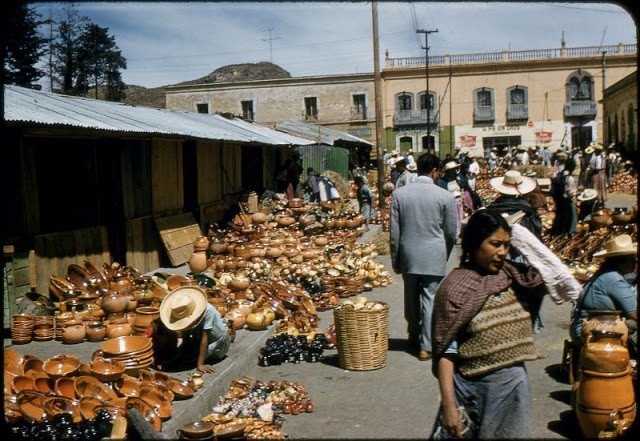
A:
<point x="253" y="408"/>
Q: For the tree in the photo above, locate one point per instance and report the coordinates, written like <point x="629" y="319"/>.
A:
<point x="99" y="63"/>
<point x="23" y="47"/>
<point x="64" y="48"/>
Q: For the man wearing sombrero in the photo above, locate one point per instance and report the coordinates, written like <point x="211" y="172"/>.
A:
<point x="598" y="164"/>
<point x="610" y="288"/>
<point x="190" y="331"/>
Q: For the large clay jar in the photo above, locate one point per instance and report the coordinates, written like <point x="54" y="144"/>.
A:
<point x="198" y="262"/>
<point x="236" y="318"/>
<point x="96" y="330"/>
<point x="121" y="284"/>
<point x="604" y="320"/>
<point x="605" y="403"/>
<point x="604" y="352"/>
<point x="114" y="303"/>
<point x="73" y="332"/>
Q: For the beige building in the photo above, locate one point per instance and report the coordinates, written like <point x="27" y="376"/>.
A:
<point x="342" y="102"/>
<point x="621" y="114"/>
<point x="476" y="101"/>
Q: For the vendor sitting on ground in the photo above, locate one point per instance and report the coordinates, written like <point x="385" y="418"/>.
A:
<point x="189" y="333"/>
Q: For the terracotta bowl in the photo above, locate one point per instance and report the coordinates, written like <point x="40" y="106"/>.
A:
<point x="239" y="283"/>
<point x="30" y="405"/>
<point x="13" y="361"/>
<point x="127" y="386"/>
<point x="114" y="303"/>
<point x="87" y="386"/>
<point x="130" y="344"/>
<point x="232" y="431"/>
<point x="198" y="429"/>
<point x="22" y="382"/>
<point x="106" y="370"/>
<point x="77" y="275"/>
<point x="175" y="281"/>
<point x="55" y="405"/>
<point x="157" y="401"/>
<point x="61" y="366"/>
<point x="65" y="386"/>
<point x="12" y="412"/>
<point x="87" y="406"/>
<point x="45" y="385"/>
<point x="181" y="389"/>
<point x="112" y="409"/>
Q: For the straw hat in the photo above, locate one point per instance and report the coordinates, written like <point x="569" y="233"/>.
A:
<point x="494" y="149"/>
<point x="598" y="146"/>
<point x="412" y="167"/>
<point x="588" y="194"/>
<point x="451" y="165"/>
<point x="400" y="160"/>
<point x="394" y="153"/>
<point x="513" y="183"/>
<point x="589" y="150"/>
<point x="183" y="308"/>
<point x="618" y="246"/>
<point x="530" y="173"/>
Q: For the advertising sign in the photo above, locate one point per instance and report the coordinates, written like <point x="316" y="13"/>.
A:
<point x="467" y="141"/>
<point x="543" y="137"/>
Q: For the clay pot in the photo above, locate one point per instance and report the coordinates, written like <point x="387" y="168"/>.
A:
<point x="604" y="352"/>
<point x="284" y="220"/>
<point x="243" y="251"/>
<point x="239" y="283"/>
<point x="258" y="218"/>
<point x="274" y="252"/>
<point x="258" y="251"/>
<point x="73" y="332"/>
<point x="257" y="321"/>
<point x="236" y="318"/>
<point x="321" y="240"/>
<point x="121" y="284"/>
<point x="198" y="262"/>
<point x="145" y="315"/>
<point x="96" y="331"/>
<point x="201" y="244"/>
<point x="604" y="320"/>
<point x="218" y="247"/>
<point x="295" y="203"/>
<point x="244" y="306"/>
<point x="269" y="314"/>
<point x="230" y="264"/>
<point x="114" y="303"/>
<point x="118" y="329"/>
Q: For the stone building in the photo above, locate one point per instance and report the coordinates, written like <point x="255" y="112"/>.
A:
<point x="476" y="101"/>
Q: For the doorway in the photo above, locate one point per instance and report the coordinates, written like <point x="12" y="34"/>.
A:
<point x="581" y="137"/>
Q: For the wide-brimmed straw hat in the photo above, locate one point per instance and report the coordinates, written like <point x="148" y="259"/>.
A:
<point x="412" y="167"/>
<point x="530" y="173"/>
<point x="183" y="308"/>
<point x="513" y="183"/>
<point x="451" y="165"/>
<point x="589" y="150"/>
<point x="588" y="194"/>
<point x="621" y="245"/>
<point x="394" y="152"/>
<point x="598" y="146"/>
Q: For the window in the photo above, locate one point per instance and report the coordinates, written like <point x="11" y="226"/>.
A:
<point x="247" y="110"/>
<point x="359" y="108"/>
<point x="517" y="96"/>
<point x="423" y="101"/>
<point x="484" y="98"/>
<point x="404" y="101"/>
<point x="517" y="103"/>
<point x="580" y="87"/>
<point x="202" y="108"/>
<point x="483" y="110"/>
<point x="311" y="108"/>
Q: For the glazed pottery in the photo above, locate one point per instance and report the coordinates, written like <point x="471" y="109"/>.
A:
<point x="198" y="262"/>
<point x="96" y="331"/>
<point x="605" y="320"/>
<point x="121" y="284"/>
<point x="114" y="303"/>
<point x="604" y="352"/>
<point x="61" y="366"/>
<point x="73" y="332"/>
<point x="115" y="330"/>
<point x="218" y="247"/>
<point x="201" y="244"/>
<point x="145" y="315"/>
<point x="236" y="317"/>
<point x="257" y="321"/>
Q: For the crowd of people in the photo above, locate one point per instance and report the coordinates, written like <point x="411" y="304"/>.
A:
<point x="477" y="322"/>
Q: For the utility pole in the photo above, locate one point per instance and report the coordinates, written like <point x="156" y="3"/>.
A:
<point x="427" y="96"/>
<point x="377" y="80"/>
<point x="270" y="40"/>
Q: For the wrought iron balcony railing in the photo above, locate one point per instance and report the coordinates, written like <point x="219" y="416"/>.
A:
<point x="484" y="113"/>
<point x="580" y="108"/>
<point x="410" y="117"/>
<point x="517" y="111"/>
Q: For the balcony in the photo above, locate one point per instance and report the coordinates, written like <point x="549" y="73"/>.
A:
<point x="517" y="111"/>
<point x="358" y="113"/>
<point x="414" y="117"/>
<point x="484" y="113"/>
<point x="580" y="108"/>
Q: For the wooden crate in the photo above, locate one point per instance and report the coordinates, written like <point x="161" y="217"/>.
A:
<point x="178" y="232"/>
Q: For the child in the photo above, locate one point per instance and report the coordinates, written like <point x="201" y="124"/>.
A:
<point x="365" y="200"/>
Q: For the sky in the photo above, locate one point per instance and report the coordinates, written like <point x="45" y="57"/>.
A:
<point x="167" y="43"/>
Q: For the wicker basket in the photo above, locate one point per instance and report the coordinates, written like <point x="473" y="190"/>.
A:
<point x="363" y="337"/>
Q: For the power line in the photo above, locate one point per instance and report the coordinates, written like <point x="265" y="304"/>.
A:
<point x="270" y="39"/>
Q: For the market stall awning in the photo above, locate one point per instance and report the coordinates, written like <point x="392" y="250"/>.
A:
<point x="321" y="134"/>
<point x="33" y="107"/>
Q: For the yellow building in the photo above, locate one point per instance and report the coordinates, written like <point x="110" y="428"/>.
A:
<point x="621" y="114"/>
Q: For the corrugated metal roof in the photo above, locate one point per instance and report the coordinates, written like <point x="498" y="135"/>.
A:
<point x="325" y="135"/>
<point x="51" y="109"/>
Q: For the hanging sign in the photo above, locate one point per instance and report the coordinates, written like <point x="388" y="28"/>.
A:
<point x="467" y="140"/>
<point x="543" y="137"/>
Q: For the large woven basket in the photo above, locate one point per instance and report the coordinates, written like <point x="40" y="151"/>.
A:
<point x="363" y="337"/>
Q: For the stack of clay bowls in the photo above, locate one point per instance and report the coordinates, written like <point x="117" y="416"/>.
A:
<point x="59" y="320"/>
<point x="21" y="329"/>
<point x="134" y="351"/>
<point x="43" y="328"/>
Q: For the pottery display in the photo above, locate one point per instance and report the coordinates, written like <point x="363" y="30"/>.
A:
<point x="198" y="262"/>
<point x="74" y="332"/>
<point x="145" y="315"/>
<point x="114" y="303"/>
<point x="236" y="318"/>
<point x="118" y="329"/>
<point x="96" y="330"/>
<point x="604" y="320"/>
<point x="604" y="352"/>
<point x="257" y="321"/>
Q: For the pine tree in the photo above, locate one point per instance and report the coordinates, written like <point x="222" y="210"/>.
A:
<point x="23" y="47"/>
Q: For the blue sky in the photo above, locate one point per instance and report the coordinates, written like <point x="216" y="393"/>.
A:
<point x="166" y="43"/>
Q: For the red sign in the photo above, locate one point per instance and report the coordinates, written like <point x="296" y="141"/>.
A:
<point x="543" y="137"/>
<point x="530" y="124"/>
<point x="467" y="140"/>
